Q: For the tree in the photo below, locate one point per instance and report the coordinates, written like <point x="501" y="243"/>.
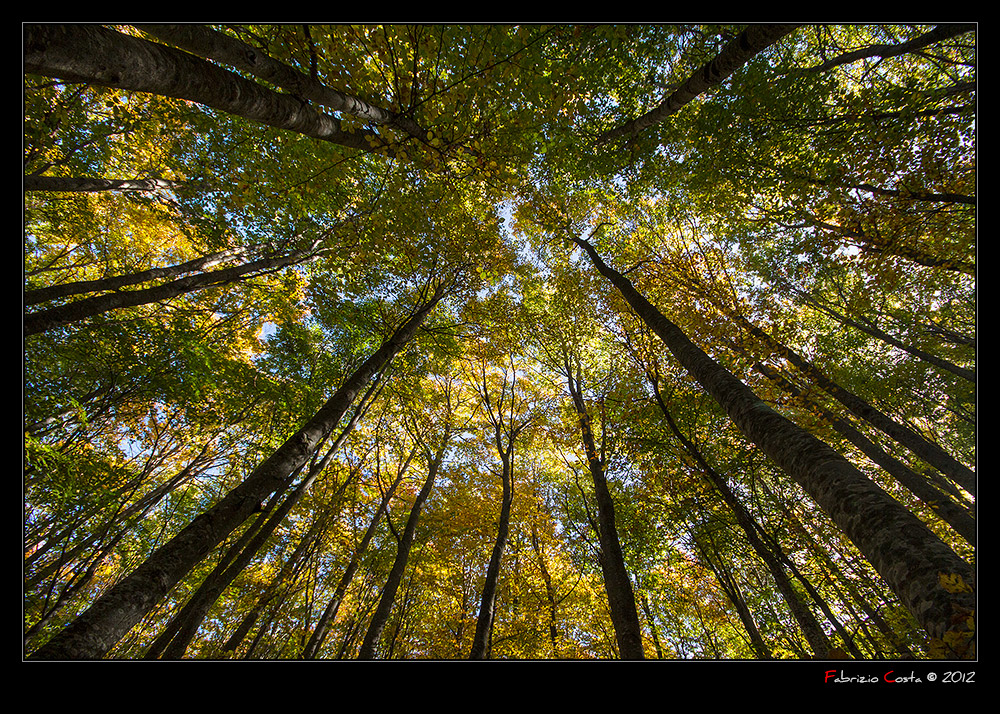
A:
<point x="835" y="484"/>
<point x="499" y="341"/>
<point x="505" y="413"/>
<point x="433" y="447"/>
<point x="110" y="618"/>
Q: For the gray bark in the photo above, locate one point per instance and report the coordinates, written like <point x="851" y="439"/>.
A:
<point x="116" y="282"/>
<point x="91" y="185"/>
<point x="925" y="449"/>
<point x="939" y="33"/>
<point x="911" y="559"/>
<point x="60" y="315"/>
<point x="949" y="511"/>
<point x="111" y="617"/>
<point x="206" y="42"/>
<point x="749" y="43"/>
<point x="617" y="583"/>
<point x="93" y="54"/>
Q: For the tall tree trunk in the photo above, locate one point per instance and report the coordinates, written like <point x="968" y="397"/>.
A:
<point x="861" y="600"/>
<point x="120" y="520"/>
<point x="42" y="320"/>
<point x="925" y="449"/>
<point x="939" y="33"/>
<point x="653" y="629"/>
<point x="110" y="618"/>
<point x="315" y="642"/>
<point x="388" y="596"/>
<point x="78" y="184"/>
<point x="905" y="194"/>
<point x="811" y="628"/>
<point x="276" y="591"/>
<point x="505" y="432"/>
<point x="206" y="42"/>
<point x="550" y="592"/>
<point x="731" y="588"/>
<point x="934" y="584"/>
<point x="174" y="641"/>
<point x="739" y="51"/>
<point x="98" y="55"/>
<point x="872" y="241"/>
<point x="617" y="583"/>
<point x="487" y="606"/>
<point x="117" y="282"/>
<point x="948" y="510"/>
<point x="870" y="329"/>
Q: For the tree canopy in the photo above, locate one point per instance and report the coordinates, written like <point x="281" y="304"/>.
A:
<point x="499" y="341"/>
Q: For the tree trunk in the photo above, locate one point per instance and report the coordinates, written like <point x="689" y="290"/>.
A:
<point x="550" y="590"/>
<point x="42" y="320"/>
<point x="902" y="194"/>
<point x="77" y="184"/>
<point x="388" y="596"/>
<point x="116" y="282"/>
<point x="173" y="642"/>
<point x="505" y="432"/>
<point x="928" y="451"/>
<point x="205" y="42"/>
<point x="939" y="33"/>
<point x="617" y="582"/>
<point x="872" y="241"/>
<point x="120" y="520"/>
<point x="319" y="632"/>
<point x="949" y="511"/>
<point x="872" y="330"/>
<point x="932" y="582"/>
<point x="487" y="607"/>
<point x="289" y="573"/>
<point x="647" y="611"/>
<point x="110" y="618"/>
<point x="94" y="54"/>
<point x="734" y="55"/>
<point x="727" y="581"/>
<point x="811" y="628"/>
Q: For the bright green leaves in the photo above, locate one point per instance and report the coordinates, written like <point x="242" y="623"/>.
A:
<point x="836" y="183"/>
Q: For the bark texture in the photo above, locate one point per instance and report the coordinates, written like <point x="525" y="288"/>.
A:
<point x="111" y="617"/>
<point x="926" y="450"/>
<point x="116" y="282"/>
<point x="617" y="583"/>
<point x="931" y="581"/>
<point x="205" y="42"/>
<point x="60" y="315"/>
<point x="734" y="55"/>
<point x="98" y="55"/>
<point x="77" y="184"/>
<point x="952" y="513"/>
